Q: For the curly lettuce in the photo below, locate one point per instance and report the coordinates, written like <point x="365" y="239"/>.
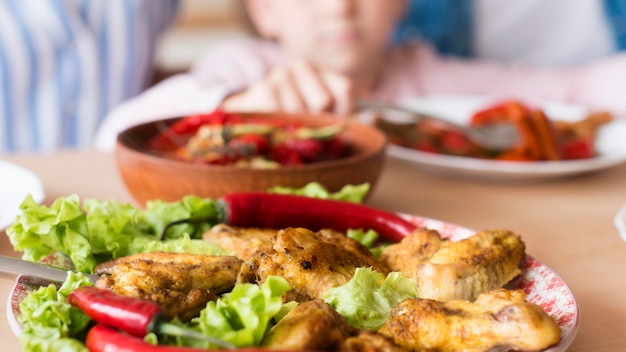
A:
<point x="348" y="193"/>
<point x="243" y="316"/>
<point x="51" y="324"/>
<point x="367" y="299"/>
<point x="102" y="230"/>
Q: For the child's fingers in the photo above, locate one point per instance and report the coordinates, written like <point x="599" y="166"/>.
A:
<point x="317" y="97"/>
<point x="286" y="91"/>
<point x="342" y="91"/>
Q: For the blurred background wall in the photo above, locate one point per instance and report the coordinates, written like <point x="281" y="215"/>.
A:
<point x="199" y="25"/>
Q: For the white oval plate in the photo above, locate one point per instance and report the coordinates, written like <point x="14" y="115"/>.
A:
<point x="610" y="144"/>
<point x="541" y="285"/>
<point x="16" y="183"/>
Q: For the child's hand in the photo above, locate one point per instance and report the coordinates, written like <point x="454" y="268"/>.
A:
<point x="296" y="88"/>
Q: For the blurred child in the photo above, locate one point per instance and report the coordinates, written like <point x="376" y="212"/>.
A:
<point x="322" y="55"/>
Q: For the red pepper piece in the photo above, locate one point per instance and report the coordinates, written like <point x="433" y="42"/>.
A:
<point x="271" y="210"/>
<point x="104" y="339"/>
<point x="186" y="127"/>
<point x="456" y="143"/>
<point x="285" y="155"/>
<point x="308" y="149"/>
<point x="190" y="124"/>
<point x="136" y="317"/>
<point x="582" y="148"/>
<point x="334" y="148"/>
<point x="249" y="144"/>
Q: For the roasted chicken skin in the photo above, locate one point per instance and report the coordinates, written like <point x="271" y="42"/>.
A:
<point x="242" y="241"/>
<point x="370" y="341"/>
<point x="311" y="326"/>
<point x="311" y="263"/>
<point x="445" y="270"/>
<point x="180" y="283"/>
<point x="499" y="318"/>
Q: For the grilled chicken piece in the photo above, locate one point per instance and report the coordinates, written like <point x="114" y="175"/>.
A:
<point x="311" y="326"/>
<point x="445" y="270"/>
<point x="180" y="283"/>
<point x="369" y="341"/>
<point x="311" y="262"/>
<point x="499" y="318"/>
<point x="243" y="242"/>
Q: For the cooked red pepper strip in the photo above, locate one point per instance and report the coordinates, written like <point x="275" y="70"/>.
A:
<point x="102" y="338"/>
<point x="271" y="210"/>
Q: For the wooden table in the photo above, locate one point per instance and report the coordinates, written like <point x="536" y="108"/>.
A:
<point x="566" y="224"/>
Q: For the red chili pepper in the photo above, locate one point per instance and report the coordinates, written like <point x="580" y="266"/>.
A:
<point x="102" y="338"/>
<point x="135" y="316"/>
<point x="271" y="210"/>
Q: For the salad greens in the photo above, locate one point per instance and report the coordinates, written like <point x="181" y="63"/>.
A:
<point x="243" y="316"/>
<point x="367" y="299"/>
<point x="348" y="193"/>
<point x="49" y="323"/>
<point x="102" y="230"/>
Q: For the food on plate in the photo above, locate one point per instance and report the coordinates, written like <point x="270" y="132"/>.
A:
<point x="271" y="285"/>
<point x="220" y="138"/>
<point x="310" y="262"/>
<point x="102" y="338"/>
<point x="180" y="283"/>
<point x="284" y="210"/>
<point x="445" y="270"/>
<point x="541" y="137"/>
<point x="243" y="242"/>
<point x="311" y="326"/>
<point x="499" y="318"/>
<point x="366" y="340"/>
<point x="137" y="317"/>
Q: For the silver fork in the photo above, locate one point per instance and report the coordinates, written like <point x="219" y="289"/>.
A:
<point x="499" y="136"/>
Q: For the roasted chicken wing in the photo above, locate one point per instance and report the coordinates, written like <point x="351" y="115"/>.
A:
<point x="242" y="241"/>
<point x="180" y="283"/>
<point x="499" y="318"/>
<point x="310" y="326"/>
<point x="446" y="270"/>
<point x="370" y="341"/>
<point x="311" y="262"/>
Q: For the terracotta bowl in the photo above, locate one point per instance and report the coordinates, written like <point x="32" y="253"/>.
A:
<point x="149" y="175"/>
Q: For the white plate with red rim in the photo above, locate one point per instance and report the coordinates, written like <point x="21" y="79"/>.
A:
<point x="16" y="183"/>
<point x="541" y="285"/>
<point x="610" y="143"/>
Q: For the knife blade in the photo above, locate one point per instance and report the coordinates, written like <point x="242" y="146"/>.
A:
<point x="14" y="266"/>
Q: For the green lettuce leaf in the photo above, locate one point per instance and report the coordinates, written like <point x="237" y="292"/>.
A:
<point x="102" y="230"/>
<point x="243" y="316"/>
<point x="369" y="239"/>
<point x="367" y="299"/>
<point x="348" y="193"/>
<point x="48" y="322"/>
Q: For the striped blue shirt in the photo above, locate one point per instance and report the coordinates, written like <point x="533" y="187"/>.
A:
<point x="65" y="63"/>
